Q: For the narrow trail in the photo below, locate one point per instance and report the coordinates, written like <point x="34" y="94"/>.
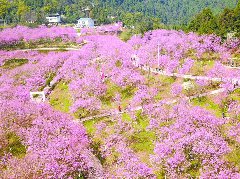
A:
<point x="192" y="77"/>
<point x="50" y="49"/>
<point x="69" y="48"/>
<point x="168" y="102"/>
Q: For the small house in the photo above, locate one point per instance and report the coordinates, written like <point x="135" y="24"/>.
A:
<point x="85" y="22"/>
<point x="54" y="18"/>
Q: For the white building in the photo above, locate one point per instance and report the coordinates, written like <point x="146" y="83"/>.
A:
<point x="85" y="22"/>
<point x="54" y="18"/>
<point x="38" y="96"/>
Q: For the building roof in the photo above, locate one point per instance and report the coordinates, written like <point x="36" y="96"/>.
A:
<point x="53" y="15"/>
<point x="85" y="19"/>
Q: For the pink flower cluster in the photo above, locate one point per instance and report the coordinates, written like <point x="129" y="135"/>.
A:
<point x="193" y="137"/>
<point x="175" y="50"/>
<point x="103" y="29"/>
<point x="12" y="36"/>
<point x="56" y="146"/>
<point x="187" y="139"/>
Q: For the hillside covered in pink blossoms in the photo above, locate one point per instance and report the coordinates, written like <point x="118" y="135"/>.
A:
<point x="165" y="104"/>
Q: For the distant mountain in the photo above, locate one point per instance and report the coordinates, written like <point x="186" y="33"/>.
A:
<point x="169" y="11"/>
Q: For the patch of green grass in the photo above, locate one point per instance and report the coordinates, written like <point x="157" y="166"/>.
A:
<point x="126" y="117"/>
<point x="234" y="157"/>
<point x="194" y="169"/>
<point x="83" y="112"/>
<point x="47" y="51"/>
<point x="195" y="163"/>
<point x="60" y="98"/>
<point x="158" y="97"/>
<point x="14" y="146"/>
<point x="161" y="174"/>
<point x="108" y="97"/>
<point x="201" y="65"/>
<point x="214" y="107"/>
<point x="112" y="89"/>
<point x="118" y="63"/>
<point x="13" y="63"/>
<point x="143" y="141"/>
<point x="90" y="126"/>
<point x="167" y="80"/>
<point x="208" y="104"/>
<point x="128" y="92"/>
<point x="142" y="121"/>
<point x="95" y="146"/>
<point x="235" y="95"/>
<point x="80" y="176"/>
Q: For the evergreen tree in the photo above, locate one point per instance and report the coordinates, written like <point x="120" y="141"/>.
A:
<point x="237" y="19"/>
<point x="226" y="22"/>
<point x="22" y="10"/>
<point x="204" y="22"/>
<point x="4" y="6"/>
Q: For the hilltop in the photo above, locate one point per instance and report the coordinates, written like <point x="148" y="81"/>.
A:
<point x="104" y="11"/>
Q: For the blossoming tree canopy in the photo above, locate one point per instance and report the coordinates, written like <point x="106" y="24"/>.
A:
<point x="164" y="104"/>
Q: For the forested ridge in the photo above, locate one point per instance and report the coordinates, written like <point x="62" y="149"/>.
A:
<point x="169" y="11"/>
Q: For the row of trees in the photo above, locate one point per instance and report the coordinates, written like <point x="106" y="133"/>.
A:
<point x="136" y="15"/>
<point x="170" y="12"/>
<point x="27" y="11"/>
<point x="35" y="11"/>
<point x="206" y="22"/>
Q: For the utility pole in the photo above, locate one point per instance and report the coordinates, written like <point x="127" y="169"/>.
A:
<point x="158" y="55"/>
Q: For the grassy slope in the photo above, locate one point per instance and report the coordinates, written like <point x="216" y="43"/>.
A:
<point x="60" y="98"/>
<point x="13" y="63"/>
<point x="14" y="146"/>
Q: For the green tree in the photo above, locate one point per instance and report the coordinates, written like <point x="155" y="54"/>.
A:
<point x="128" y="19"/>
<point x="226" y="22"/>
<point x="174" y="13"/>
<point x="144" y="25"/>
<point x="157" y="23"/>
<point x="237" y="19"/>
<point x="50" y="6"/>
<point x="22" y="10"/>
<point x="4" y="6"/>
<point x="204" y="22"/>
